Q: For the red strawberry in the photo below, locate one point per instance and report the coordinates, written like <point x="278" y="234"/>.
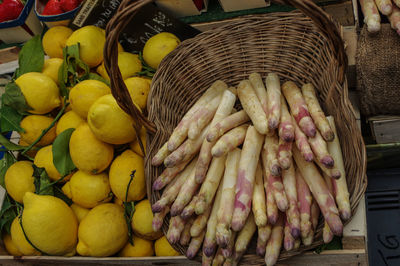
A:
<point x="68" y="5"/>
<point x="53" y="7"/>
<point x="10" y="9"/>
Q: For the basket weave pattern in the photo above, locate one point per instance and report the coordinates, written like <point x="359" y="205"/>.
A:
<point x="290" y="44"/>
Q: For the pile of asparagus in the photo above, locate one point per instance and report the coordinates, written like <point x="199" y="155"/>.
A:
<point x="288" y="169"/>
<point x="372" y="18"/>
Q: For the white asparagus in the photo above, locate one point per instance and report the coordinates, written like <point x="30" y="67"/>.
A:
<point x="320" y="150"/>
<point x="340" y="189"/>
<point x="185" y="195"/>
<point x="272" y="208"/>
<point x="169" y="175"/>
<point x="210" y="185"/>
<point x="176" y="226"/>
<point x="384" y="6"/>
<point x="195" y="244"/>
<point x="180" y="132"/>
<point x="224" y="110"/>
<point x="252" y="106"/>
<point x="264" y="234"/>
<point x="185" y="235"/>
<point x="259" y="88"/>
<point x="274" y="103"/>
<point x="258" y="204"/>
<point x="200" y="223"/>
<point x="229" y="141"/>
<point x="285" y="127"/>
<point x="160" y="156"/>
<point x="246" y="175"/>
<point x="225" y="211"/>
<point x="270" y="153"/>
<point x="275" y="242"/>
<point x="292" y="213"/>
<point x="302" y="144"/>
<point x="226" y="124"/>
<point x="244" y="237"/>
<point x="218" y="258"/>
<point x="371" y="15"/>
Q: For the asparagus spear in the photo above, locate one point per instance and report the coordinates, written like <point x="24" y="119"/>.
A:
<point x="185" y="235"/>
<point x="304" y="204"/>
<point x="258" y="204"/>
<point x="195" y="245"/>
<point x="229" y="141"/>
<point x="286" y="128"/>
<point x="384" y="6"/>
<point x="270" y="154"/>
<point x="264" y="233"/>
<point x="320" y="149"/>
<point x="246" y="175"/>
<point x="371" y="15"/>
<point x="302" y="143"/>
<point x="284" y="154"/>
<point x="259" y="88"/>
<point x="219" y="258"/>
<point x="200" y="223"/>
<point x="160" y="156"/>
<point x="274" y="102"/>
<point x="272" y="209"/>
<point x="292" y="213"/>
<point x="394" y="19"/>
<point x="176" y="226"/>
<point x="188" y="211"/>
<point x="226" y="124"/>
<point x="185" y="195"/>
<point x="275" y="242"/>
<point x="288" y="240"/>
<point x="158" y="219"/>
<point x="244" y="237"/>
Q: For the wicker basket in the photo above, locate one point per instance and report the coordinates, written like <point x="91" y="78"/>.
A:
<point x="293" y="45"/>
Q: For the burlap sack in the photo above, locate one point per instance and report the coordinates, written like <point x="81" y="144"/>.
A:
<point x="378" y="72"/>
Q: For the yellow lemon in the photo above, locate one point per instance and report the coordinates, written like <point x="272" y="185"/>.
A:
<point x="54" y="40"/>
<point x="88" y="190"/>
<point x="135" y="146"/>
<point x="33" y="126"/>
<point x="44" y="158"/>
<point x="79" y="211"/>
<point x="158" y="46"/>
<point x="140" y="248"/>
<point x="84" y="94"/>
<point x="129" y="64"/>
<point x="139" y="89"/>
<point x="109" y="122"/>
<point x="120" y="173"/>
<point x="51" y="67"/>
<point x="10" y="246"/>
<point x="91" y="41"/>
<point x="50" y="224"/>
<point x="163" y="248"/>
<point x="19" y="180"/>
<point x="18" y="238"/>
<point x="68" y="120"/>
<point x="103" y="231"/>
<point x="87" y="152"/>
<point x="142" y="221"/>
<point x="41" y="92"/>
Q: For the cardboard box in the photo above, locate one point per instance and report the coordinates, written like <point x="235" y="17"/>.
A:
<point x="23" y="28"/>
<point x="235" y="5"/>
<point x="183" y="8"/>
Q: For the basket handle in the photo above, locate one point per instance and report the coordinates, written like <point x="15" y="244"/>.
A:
<point x="129" y="8"/>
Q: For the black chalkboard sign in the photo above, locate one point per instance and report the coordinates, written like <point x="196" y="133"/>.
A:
<point x="148" y="21"/>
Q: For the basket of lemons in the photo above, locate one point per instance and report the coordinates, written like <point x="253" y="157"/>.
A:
<point x="74" y="175"/>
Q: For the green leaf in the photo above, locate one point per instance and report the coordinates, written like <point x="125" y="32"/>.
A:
<point x="97" y="77"/>
<point x="5" y="163"/>
<point x="7" y="214"/>
<point x="9" y="145"/>
<point x="14" y="98"/>
<point x="10" y="120"/>
<point x="60" y="194"/>
<point x="31" y="57"/>
<point x="43" y="185"/>
<point x="129" y="209"/>
<point x="61" y="156"/>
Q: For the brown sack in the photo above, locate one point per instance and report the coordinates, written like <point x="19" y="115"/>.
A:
<point x="378" y="72"/>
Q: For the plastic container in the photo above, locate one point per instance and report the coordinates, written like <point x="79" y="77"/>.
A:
<point x="54" y="20"/>
<point x="23" y="28"/>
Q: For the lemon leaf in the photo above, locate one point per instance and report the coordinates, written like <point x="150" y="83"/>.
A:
<point x="8" y="145"/>
<point x="14" y="98"/>
<point x="10" y="120"/>
<point x="129" y="209"/>
<point x="5" y="163"/>
<point x="7" y="214"/>
<point x="97" y="77"/>
<point x="43" y="185"/>
<point x="61" y="156"/>
<point x="31" y="57"/>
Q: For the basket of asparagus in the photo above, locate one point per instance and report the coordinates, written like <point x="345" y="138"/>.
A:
<point x="254" y="154"/>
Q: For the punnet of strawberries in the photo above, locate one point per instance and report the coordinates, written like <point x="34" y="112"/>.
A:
<point x="56" y="7"/>
<point x="10" y="9"/>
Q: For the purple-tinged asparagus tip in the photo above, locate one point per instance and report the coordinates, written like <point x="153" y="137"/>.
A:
<point x="190" y="253"/>
<point x="186" y="214"/>
<point x="209" y="249"/>
<point x="276" y="170"/>
<point x="309" y="157"/>
<point x="155" y="161"/>
<point x="173" y="237"/>
<point x="345" y="215"/>
<point x="285" y="163"/>
<point x="327" y="237"/>
<point x="328" y="161"/>
<point x="272" y="219"/>
<point x="288" y="245"/>
<point x="295" y="232"/>
<point x="336" y="174"/>
<point x="335" y="224"/>
<point x="272" y="124"/>
<point x="157" y="207"/>
<point x="158" y="184"/>
<point x="175" y="211"/>
<point x="260" y="251"/>
<point x="328" y="136"/>
<point x="237" y="224"/>
<point x="310" y="131"/>
<point x="227" y="252"/>
<point x="157" y="224"/>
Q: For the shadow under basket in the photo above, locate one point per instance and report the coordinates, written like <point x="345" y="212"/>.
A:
<point x="299" y="46"/>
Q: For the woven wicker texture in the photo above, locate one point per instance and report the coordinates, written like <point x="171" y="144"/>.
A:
<point x="378" y="77"/>
<point x="290" y="44"/>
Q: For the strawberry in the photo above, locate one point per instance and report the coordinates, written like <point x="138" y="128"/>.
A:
<point x="53" y="7"/>
<point x="10" y="9"/>
<point x="68" y="5"/>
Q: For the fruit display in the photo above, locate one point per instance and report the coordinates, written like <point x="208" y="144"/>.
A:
<point x="10" y="9"/>
<point x="57" y="7"/>
<point x="271" y="167"/>
<point x="77" y="169"/>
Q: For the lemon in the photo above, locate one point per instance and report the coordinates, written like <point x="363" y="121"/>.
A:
<point x="44" y="158"/>
<point x="87" y="152"/>
<point x="54" y="40"/>
<point x="103" y="231"/>
<point x="18" y="238"/>
<point x="109" y="122"/>
<point x="158" y="46"/>
<point x="85" y="93"/>
<point x="79" y="211"/>
<point x="51" y="67"/>
<point x="142" y="221"/>
<point x="10" y="246"/>
<point x="50" y="224"/>
<point x="68" y="120"/>
<point x="19" y="180"/>
<point x="120" y="173"/>
<point x="41" y="92"/>
<point x="135" y="146"/>
<point x="140" y="248"/>
<point x="88" y="190"/>
<point x="118" y="202"/>
<point x="33" y="126"/>
<point x="164" y="249"/>
<point x="139" y="89"/>
<point x="129" y="64"/>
